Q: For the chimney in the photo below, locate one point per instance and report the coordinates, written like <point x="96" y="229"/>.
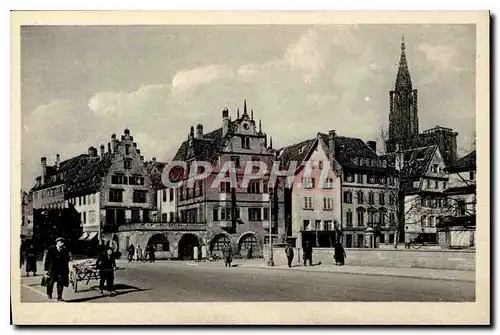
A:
<point x="134" y="144"/>
<point x="44" y="169"/>
<point x="372" y="145"/>
<point x="142" y="158"/>
<point x="58" y="161"/>
<point x="138" y="151"/>
<point x="153" y="159"/>
<point x="225" y="121"/>
<point x="199" y="131"/>
<point x="126" y="132"/>
<point x="92" y="152"/>
<point x="331" y="145"/>
<point x="114" y="142"/>
<point x="102" y="150"/>
<point x="109" y="147"/>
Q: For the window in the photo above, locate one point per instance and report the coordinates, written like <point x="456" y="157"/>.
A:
<point x="390" y="181"/>
<point x="200" y="188"/>
<point x="348" y="218"/>
<point x="127" y="163"/>
<point x="84" y="199"/>
<point x="349" y="177"/>
<point x="84" y="219"/>
<point x="220" y="242"/>
<point x="308" y="182"/>
<point x="139" y="197"/>
<point x="371" y="179"/>
<point x="254" y="187"/>
<point x="382" y="219"/>
<point x="306" y="224"/>
<point x="225" y="214"/>
<point x="236" y="161"/>
<point x="371" y="198"/>
<point x="237" y="213"/>
<point x="255" y="159"/>
<point x="265" y="187"/>
<point x="266" y="213"/>
<point x="359" y="178"/>
<point x="382" y="198"/>
<point x="471" y="175"/>
<point x="392" y="218"/>
<point x="436" y="185"/>
<point x="430" y="221"/>
<point x="381" y="180"/>
<point x="320" y="165"/>
<point x="329" y="183"/>
<point x="248" y="241"/>
<point x="114" y="196"/>
<point x="361" y="197"/>
<point x="371" y="217"/>
<point x="361" y="219"/>
<point x="328" y="225"/>
<point x="92" y="216"/>
<point x="171" y="194"/>
<point x="308" y="203"/>
<point x="225" y="187"/>
<point x="164" y="217"/>
<point x="461" y="207"/>
<point x="136" y="215"/>
<point x="254" y="214"/>
<point x="172" y="217"/>
<point x="215" y="214"/>
<point x="347" y="197"/>
<point x="164" y="193"/>
<point x="428" y="184"/>
<point x="392" y="201"/>
<point x="317" y="225"/>
<point x="245" y="143"/>
<point x="382" y="238"/>
<point x="127" y="149"/>
<point x="423" y="220"/>
<point x="391" y="238"/>
<point x="435" y="168"/>
<point x="327" y="204"/>
<point x="136" y="180"/>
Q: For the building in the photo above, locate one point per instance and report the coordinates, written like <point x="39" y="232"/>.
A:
<point x="457" y="230"/>
<point x="27" y="215"/>
<point x="404" y="123"/>
<point x="235" y="214"/>
<point x="105" y="190"/>
<point x="423" y="179"/>
<point x="361" y="184"/>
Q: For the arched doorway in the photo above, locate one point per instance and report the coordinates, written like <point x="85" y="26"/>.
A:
<point x="248" y="241"/>
<point x="218" y="243"/>
<point x="159" y="242"/>
<point x="186" y="245"/>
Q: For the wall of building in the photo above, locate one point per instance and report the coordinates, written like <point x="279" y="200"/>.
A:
<point x="50" y="197"/>
<point x="88" y="206"/>
<point x="464" y="260"/>
<point x="166" y="204"/>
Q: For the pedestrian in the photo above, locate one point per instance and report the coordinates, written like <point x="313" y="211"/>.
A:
<point x="151" y="254"/>
<point x="339" y="254"/>
<point x="308" y="253"/>
<point x="204" y="252"/>
<point x="195" y="253"/>
<point x="21" y="257"/>
<point x="106" y="265"/>
<point x="228" y="255"/>
<point x="56" y="267"/>
<point x="30" y="260"/>
<point x="131" y="253"/>
<point x="250" y="253"/>
<point x="138" y="253"/>
<point x="289" y="254"/>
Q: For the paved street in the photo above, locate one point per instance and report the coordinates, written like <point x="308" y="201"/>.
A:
<point x="190" y="282"/>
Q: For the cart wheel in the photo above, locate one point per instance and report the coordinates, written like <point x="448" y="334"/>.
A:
<point x="74" y="281"/>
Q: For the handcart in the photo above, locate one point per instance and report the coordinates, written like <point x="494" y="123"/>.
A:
<point x="82" y="270"/>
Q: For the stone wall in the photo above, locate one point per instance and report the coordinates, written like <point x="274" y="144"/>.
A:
<point x="434" y="259"/>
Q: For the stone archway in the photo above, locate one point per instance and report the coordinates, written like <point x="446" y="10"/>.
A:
<point x="247" y="240"/>
<point x="186" y="245"/>
<point x="159" y="242"/>
<point x="218" y="243"/>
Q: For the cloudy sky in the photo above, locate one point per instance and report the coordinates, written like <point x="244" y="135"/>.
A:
<point x="81" y="84"/>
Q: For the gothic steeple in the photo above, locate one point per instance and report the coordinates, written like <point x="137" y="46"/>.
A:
<point x="245" y="107"/>
<point x="403" y="79"/>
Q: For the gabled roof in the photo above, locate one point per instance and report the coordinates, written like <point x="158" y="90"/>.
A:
<point x="295" y="152"/>
<point x="415" y="162"/>
<point x="155" y="174"/>
<point x="466" y="163"/>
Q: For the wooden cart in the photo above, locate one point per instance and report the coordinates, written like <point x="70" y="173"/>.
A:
<point x="82" y="270"/>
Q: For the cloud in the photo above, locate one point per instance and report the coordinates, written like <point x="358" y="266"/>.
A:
<point x="190" y="79"/>
<point x="441" y="56"/>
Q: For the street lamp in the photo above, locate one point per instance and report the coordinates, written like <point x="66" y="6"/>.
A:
<point x="270" y="261"/>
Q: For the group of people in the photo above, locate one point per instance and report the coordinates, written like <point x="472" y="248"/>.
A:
<point x="136" y="254"/>
<point x="339" y="254"/>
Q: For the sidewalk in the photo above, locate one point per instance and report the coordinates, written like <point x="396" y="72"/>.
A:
<point x="406" y="272"/>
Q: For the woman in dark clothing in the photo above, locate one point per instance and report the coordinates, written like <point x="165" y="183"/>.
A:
<point x="131" y="253"/>
<point x="339" y="254"/>
<point x="30" y="260"/>
<point x="151" y="253"/>
<point x="106" y="266"/>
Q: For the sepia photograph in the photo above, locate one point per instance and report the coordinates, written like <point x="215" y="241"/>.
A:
<point x="298" y="160"/>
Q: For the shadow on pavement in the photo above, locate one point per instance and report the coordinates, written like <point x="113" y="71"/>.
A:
<point x="124" y="290"/>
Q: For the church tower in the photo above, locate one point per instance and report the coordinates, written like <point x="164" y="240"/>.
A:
<point x="403" y="114"/>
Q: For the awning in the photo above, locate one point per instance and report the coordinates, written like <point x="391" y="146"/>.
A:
<point x="83" y="237"/>
<point x="92" y="235"/>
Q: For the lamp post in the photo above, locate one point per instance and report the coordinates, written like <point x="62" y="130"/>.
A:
<point x="270" y="261"/>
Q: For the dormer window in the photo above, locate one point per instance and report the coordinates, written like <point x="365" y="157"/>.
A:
<point x="245" y="142"/>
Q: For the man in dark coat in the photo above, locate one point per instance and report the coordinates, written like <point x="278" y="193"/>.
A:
<point x="289" y="254"/>
<point x="131" y="253"/>
<point x="228" y="254"/>
<point x="56" y="266"/>
<point x="106" y="266"/>
<point x="151" y="253"/>
<point x="339" y="254"/>
<point x="308" y="253"/>
<point x="30" y="257"/>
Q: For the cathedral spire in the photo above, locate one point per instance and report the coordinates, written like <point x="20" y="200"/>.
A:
<point x="403" y="79"/>
<point x="260" y="126"/>
<point x="245" y="107"/>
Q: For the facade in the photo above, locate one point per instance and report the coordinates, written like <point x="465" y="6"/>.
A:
<point x="403" y="119"/>
<point x="361" y="184"/>
<point x="423" y="181"/>
<point x="231" y="213"/>
<point x="27" y="215"/>
<point x="457" y="230"/>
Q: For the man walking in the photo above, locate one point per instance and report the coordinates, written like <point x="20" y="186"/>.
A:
<point x="289" y="254"/>
<point x="228" y="254"/>
<point x="106" y="266"/>
<point x="56" y="266"/>
<point x="308" y="253"/>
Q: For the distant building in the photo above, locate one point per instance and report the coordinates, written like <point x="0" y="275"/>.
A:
<point x="403" y="119"/>
<point x="423" y="180"/>
<point x="457" y="230"/>
<point x="361" y="184"/>
<point x="27" y="215"/>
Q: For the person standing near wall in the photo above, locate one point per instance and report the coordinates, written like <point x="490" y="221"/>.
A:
<point x="289" y="254"/>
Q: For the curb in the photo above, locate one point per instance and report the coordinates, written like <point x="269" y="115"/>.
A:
<point x="365" y="274"/>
